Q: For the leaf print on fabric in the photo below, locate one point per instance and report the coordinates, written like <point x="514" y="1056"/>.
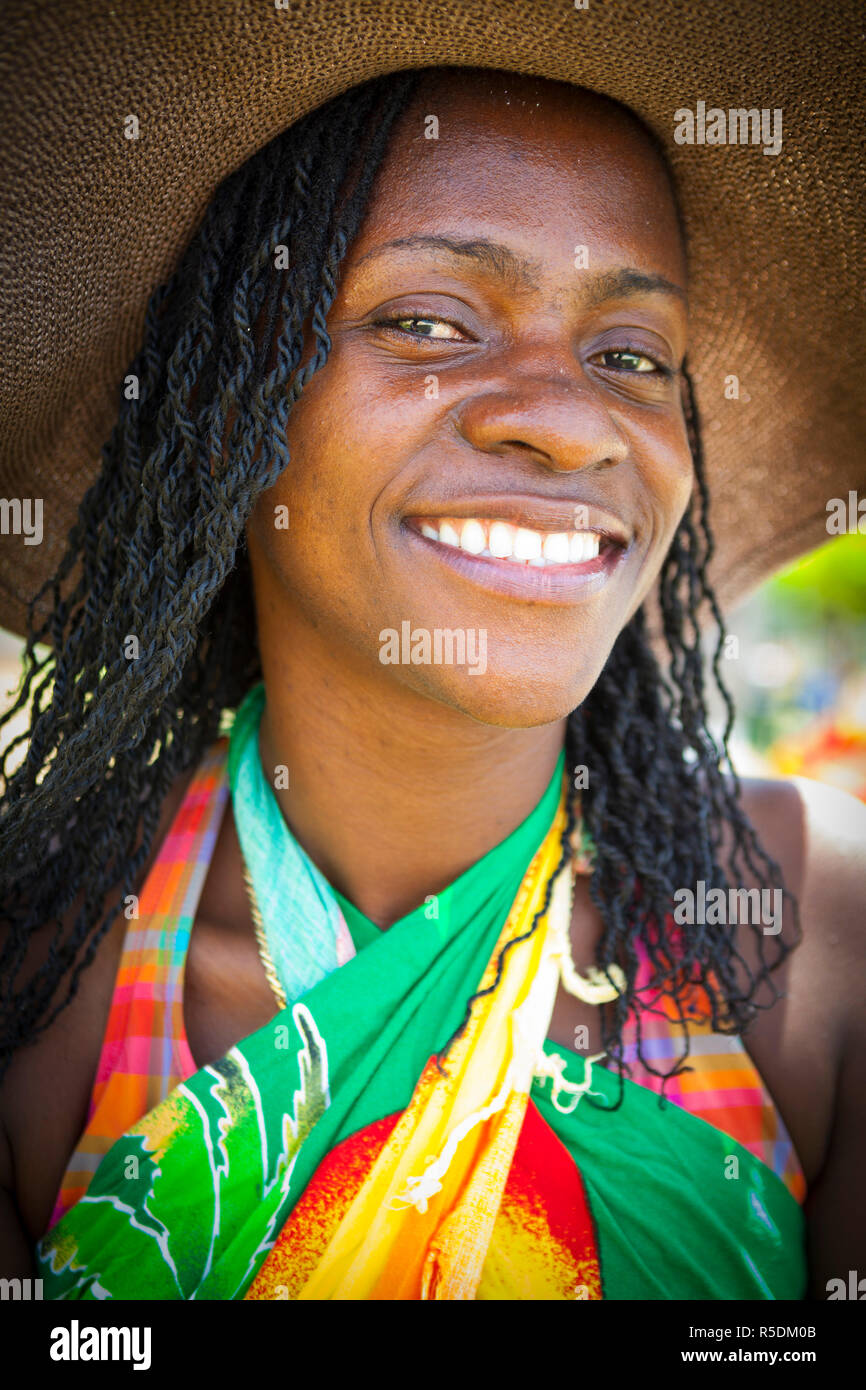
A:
<point x="125" y="1210"/>
<point x="309" y="1103"/>
<point x="312" y="1099"/>
<point x="233" y="1131"/>
<point x="180" y="1201"/>
<point x="258" y="1200"/>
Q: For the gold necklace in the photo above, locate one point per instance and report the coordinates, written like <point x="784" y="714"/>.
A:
<point x="264" y="953"/>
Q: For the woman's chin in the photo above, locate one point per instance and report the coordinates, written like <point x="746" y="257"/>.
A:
<point x="505" y="699"/>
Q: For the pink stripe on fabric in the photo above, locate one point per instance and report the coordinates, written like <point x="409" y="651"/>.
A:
<point x="742" y="1095"/>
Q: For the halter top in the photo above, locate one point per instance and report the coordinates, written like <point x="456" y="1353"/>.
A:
<point x="145" y="1053"/>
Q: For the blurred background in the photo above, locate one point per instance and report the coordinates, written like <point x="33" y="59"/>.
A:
<point x="794" y="661"/>
<point x="796" y="668"/>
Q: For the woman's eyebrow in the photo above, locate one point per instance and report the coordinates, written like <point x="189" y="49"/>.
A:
<point x="501" y="261"/>
<point x="522" y="272"/>
<point x="614" y="284"/>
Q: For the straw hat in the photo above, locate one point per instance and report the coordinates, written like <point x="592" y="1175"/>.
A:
<point x="98" y="219"/>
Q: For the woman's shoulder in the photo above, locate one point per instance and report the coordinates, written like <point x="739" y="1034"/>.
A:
<point x="817" y="836"/>
<point x="811" y="1045"/>
<point x="826" y="831"/>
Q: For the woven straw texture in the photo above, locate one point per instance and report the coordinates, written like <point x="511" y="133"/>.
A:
<point x="93" y="221"/>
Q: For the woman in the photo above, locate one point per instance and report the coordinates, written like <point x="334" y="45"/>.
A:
<point x="381" y="996"/>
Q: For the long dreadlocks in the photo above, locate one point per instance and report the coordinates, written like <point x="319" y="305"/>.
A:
<point x="158" y="549"/>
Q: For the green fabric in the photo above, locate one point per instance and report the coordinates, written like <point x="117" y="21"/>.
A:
<point x="675" y="1219"/>
<point x="662" y="1148"/>
<point x="219" y="1165"/>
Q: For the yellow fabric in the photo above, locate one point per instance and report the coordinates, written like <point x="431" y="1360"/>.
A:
<point x="421" y="1223"/>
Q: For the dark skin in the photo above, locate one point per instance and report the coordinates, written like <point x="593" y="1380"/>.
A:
<point x="544" y="400"/>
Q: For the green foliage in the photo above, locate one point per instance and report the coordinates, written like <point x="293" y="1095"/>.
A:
<point x="829" y="581"/>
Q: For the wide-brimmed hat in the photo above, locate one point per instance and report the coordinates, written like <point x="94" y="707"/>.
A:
<point x="759" y="108"/>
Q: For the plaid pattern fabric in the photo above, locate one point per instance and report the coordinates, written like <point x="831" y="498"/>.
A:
<point x="145" y="1053"/>
<point x="723" y="1085"/>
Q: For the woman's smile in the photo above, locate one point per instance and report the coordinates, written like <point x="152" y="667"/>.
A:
<point x="539" y="558"/>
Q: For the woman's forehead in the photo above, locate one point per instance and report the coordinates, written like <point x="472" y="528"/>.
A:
<point x="534" y="163"/>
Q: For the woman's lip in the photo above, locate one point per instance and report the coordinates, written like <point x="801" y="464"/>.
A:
<point x="553" y="584"/>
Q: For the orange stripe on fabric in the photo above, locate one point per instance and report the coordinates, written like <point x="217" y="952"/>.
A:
<point x="140" y="1025"/>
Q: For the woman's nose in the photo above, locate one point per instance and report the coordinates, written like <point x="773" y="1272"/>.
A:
<point x="558" y="419"/>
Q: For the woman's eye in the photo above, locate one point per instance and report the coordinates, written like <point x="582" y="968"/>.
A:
<point x="423" y="327"/>
<point x="627" y="361"/>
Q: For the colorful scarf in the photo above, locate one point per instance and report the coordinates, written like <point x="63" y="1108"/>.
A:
<point x="327" y="1156"/>
<point x="304" y="928"/>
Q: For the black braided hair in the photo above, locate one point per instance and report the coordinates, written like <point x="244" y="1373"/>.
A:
<point x="158" y="550"/>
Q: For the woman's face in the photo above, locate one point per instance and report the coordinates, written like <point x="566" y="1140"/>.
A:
<point x="506" y="346"/>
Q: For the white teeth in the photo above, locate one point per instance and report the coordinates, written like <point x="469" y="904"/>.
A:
<point x="583" y="546"/>
<point x="556" y="548"/>
<point x="501" y="540"/>
<point x="472" y="537"/>
<point x="527" y="545"/>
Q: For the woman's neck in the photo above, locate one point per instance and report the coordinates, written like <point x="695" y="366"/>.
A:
<point x="391" y="794"/>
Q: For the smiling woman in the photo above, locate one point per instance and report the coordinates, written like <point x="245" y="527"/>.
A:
<point x="377" y="997"/>
<point x="463" y="271"/>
